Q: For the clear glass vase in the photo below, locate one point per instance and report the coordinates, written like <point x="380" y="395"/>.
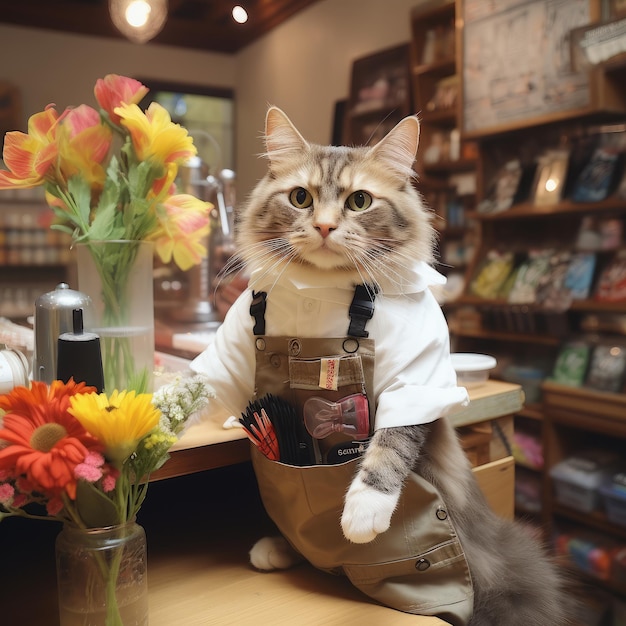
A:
<point x="102" y="576"/>
<point x="117" y="276"/>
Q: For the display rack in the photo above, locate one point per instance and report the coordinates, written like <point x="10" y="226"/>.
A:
<point x="446" y="165"/>
<point x="528" y="329"/>
<point x="380" y="95"/>
<point x="34" y="257"/>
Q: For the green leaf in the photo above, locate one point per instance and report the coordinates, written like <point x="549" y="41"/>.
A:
<point x="160" y="462"/>
<point x="66" y="229"/>
<point x="141" y="177"/>
<point x="102" y="224"/>
<point x="94" y="507"/>
<point x="80" y="191"/>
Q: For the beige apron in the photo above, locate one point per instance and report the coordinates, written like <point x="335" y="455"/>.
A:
<point x="418" y="565"/>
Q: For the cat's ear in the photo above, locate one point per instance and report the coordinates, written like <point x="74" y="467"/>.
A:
<point x="399" y="147"/>
<point x="282" y="139"/>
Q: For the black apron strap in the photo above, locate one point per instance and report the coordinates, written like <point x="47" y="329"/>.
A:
<point x="257" y="310"/>
<point x="361" y="310"/>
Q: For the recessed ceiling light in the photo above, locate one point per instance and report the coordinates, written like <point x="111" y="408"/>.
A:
<point x="240" y="15"/>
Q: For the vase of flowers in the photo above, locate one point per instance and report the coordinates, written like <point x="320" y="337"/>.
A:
<point x="117" y="276"/>
<point x="70" y="454"/>
<point x="109" y="175"/>
<point x="102" y="575"/>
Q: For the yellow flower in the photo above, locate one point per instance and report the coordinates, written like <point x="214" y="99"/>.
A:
<point x="181" y="231"/>
<point x="30" y="157"/>
<point x="119" y="422"/>
<point x="155" y="137"/>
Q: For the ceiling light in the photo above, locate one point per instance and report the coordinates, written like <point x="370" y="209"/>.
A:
<point x="138" y="20"/>
<point x="240" y="15"/>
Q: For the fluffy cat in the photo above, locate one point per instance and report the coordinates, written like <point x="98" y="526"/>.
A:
<point x="353" y="212"/>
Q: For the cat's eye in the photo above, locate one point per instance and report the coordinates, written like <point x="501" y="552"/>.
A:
<point x="359" y="201"/>
<point x="301" y="198"/>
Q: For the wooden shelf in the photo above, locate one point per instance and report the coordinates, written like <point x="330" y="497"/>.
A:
<point x="380" y="95"/>
<point x="377" y="111"/>
<point x="508" y="336"/>
<point x="596" y="520"/>
<point x="447" y="166"/>
<point x="533" y="412"/>
<point x="443" y="67"/>
<point x="595" y="306"/>
<point x="577" y="419"/>
<point x="566" y="207"/>
<point x="586" y="409"/>
<point x="447" y="117"/>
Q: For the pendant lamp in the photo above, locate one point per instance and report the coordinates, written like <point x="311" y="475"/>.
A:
<point x="138" y="20"/>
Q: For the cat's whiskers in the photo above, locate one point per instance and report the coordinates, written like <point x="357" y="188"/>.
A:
<point x="285" y="261"/>
<point x="278" y="252"/>
<point x="381" y="262"/>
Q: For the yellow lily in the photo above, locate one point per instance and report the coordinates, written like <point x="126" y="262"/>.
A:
<point x="118" y="421"/>
<point x="154" y="136"/>
<point x="30" y="156"/>
<point x="181" y="229"/>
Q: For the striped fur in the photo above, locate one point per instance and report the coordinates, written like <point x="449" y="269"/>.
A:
<point x="515" y="584"/>
<point x="396" y="228"/>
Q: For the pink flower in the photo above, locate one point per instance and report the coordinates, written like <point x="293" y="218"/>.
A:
<point x="25" y="485"/>
<point x="88" y="472"/>
<point x="83" y="143"/>
<point x="114" y="90"/>
<point x="6" y="494"/>
<point x="108" y="483"/>
<point x="19" y="501"/>
<point x="54" y="506"/>
<point x="95" y="459"/>
<point x="91" y="468"/>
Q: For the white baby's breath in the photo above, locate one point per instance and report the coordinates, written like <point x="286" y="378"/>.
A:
<point x="179" y="400"/>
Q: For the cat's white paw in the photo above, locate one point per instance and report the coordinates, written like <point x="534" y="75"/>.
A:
<point x="366" y="512"/>
<point x="272" y="553"/>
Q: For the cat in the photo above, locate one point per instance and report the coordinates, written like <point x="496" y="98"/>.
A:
<point x="354" y="212"/>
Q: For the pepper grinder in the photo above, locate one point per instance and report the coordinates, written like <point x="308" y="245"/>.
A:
<point x="53" y="317"/>
<point x="79" y="355"/>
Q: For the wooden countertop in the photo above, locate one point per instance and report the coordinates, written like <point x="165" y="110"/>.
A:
<point x="208" y="445"/>
<point x="200" y="526"/>
<point x="199" y="530"/>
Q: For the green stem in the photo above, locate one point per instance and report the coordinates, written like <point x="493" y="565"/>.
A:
<point x="108" y="573"/>
<point x="114" y="266"/>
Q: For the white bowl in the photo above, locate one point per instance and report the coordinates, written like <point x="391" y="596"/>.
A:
<point x="471" y="369"/>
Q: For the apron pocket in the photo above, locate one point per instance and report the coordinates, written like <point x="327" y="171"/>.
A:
<point x="436" y="582"/>
<point x="306" y="504"/>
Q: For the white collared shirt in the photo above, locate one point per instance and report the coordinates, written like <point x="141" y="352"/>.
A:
<point x="414" y="381"/>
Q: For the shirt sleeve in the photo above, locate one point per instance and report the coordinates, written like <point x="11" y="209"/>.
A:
<point x="414" y="380"/>
<point x="229" y="362"/>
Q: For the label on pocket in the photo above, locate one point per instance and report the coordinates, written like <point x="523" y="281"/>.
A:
<point x="329" y="373"/>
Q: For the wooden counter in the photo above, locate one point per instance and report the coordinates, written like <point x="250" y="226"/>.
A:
<point x="208" y="445"/>
<point x="200" y="524"/>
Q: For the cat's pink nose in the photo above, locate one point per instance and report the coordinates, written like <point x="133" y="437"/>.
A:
<point x="325" y="229"/>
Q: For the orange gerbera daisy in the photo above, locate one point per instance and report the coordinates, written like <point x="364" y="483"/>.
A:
<point x="43" y="442"/>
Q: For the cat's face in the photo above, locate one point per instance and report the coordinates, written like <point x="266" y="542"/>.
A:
<point x="337" y="208"/>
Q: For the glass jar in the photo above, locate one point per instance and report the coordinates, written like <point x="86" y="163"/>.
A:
<point x="102" y="576"/>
